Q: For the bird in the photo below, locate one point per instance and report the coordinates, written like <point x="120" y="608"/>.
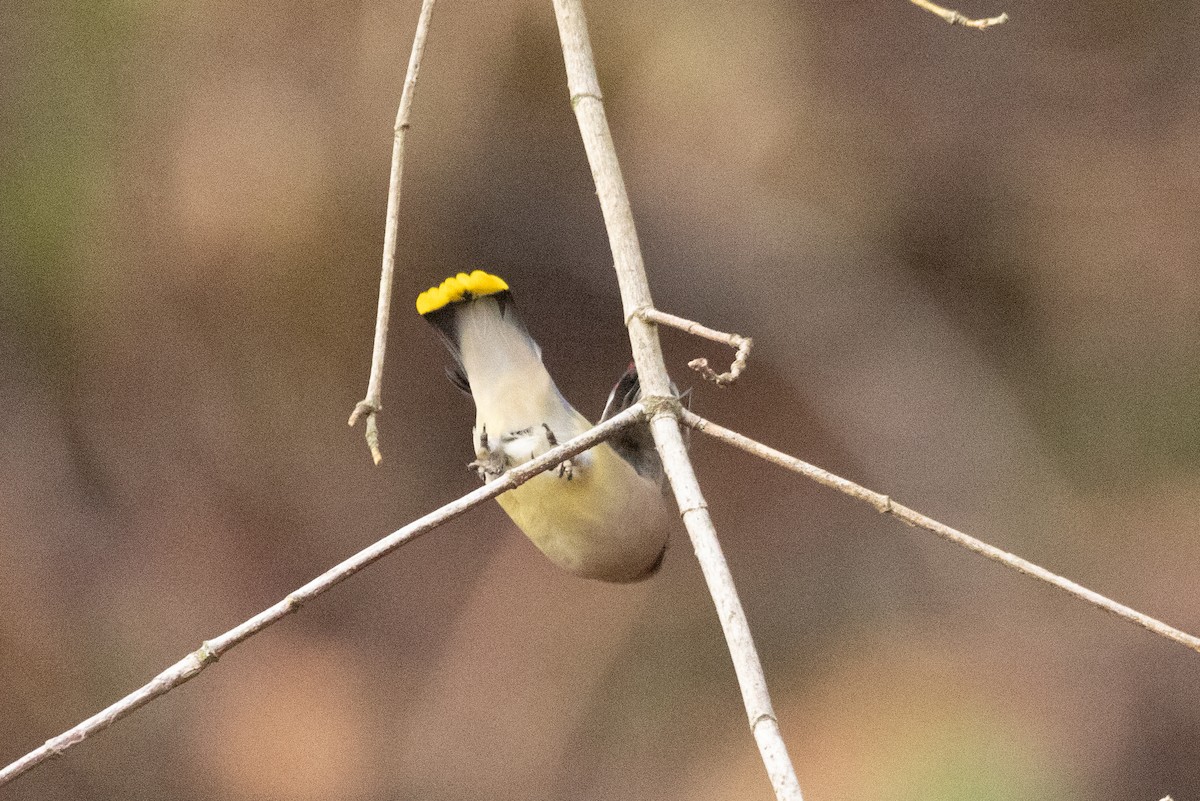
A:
<point x="600" y="515"/>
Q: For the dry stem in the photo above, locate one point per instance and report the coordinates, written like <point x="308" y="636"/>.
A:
<point x="737" y="341"/>
<point x="955" y="18"/>
<point x="885" y="505"/>
<point x="373" y="402"/>
<point x="586" y="99"/>
<point x="211" y="650"/>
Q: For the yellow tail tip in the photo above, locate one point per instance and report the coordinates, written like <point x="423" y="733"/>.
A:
<point x="459" y="287"/>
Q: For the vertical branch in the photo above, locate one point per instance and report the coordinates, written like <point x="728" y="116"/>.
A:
<point x="753" y="683"/>
<point x="614" y="201"/>
<point x="656" y="387"/>
<point x="373" y="402"/>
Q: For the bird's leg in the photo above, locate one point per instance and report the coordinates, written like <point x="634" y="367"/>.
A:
<point x="516" y="447"/>
<point x="488" y="463"/>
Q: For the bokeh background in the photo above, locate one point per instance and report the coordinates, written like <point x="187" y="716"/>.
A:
<point x="971" y="265"/>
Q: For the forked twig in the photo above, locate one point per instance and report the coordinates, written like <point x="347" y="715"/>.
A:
<point x="737" y="341"/>
<point x="211" y="650"/>
<point x="373" y="402"/>
<point x="955" y="18"/>
<point x="885" y="505"/>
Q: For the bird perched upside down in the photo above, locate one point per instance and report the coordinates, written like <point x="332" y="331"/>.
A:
<point x="601" y="514"/>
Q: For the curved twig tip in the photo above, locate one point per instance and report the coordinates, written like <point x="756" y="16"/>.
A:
<point x="957" y="18"/>
<point x="361" y="408"/>
<point x="369" y="409"/>
<point x="741" y="343"/>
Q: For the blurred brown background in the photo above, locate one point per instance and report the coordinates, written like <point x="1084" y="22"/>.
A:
<point x="970" y="263"/>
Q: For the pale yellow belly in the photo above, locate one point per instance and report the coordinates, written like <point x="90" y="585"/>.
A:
<point x="605" y="523"/>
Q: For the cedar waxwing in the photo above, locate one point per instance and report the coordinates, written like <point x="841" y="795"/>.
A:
<point x="600" y="515"/>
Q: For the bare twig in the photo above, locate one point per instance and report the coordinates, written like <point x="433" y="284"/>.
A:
<point x="955" y="18"/>
<point x="373" y="402"/>
<point x="886" y="505"/>
<point x="740" y="343"/>
<point x="211" y="650"/>
<point x="584" y="89"/>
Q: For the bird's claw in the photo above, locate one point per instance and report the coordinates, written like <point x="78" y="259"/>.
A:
<point x="489" y="465"/>
<point x="491" y="462"/>
<point x="566" y="468"/>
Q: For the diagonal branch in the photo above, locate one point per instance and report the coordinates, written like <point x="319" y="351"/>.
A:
<point x="736" y="341"/>
<point x="664" y="408"/>
<point x="211" y="650"/>
<point x="885" y="505"/>
<point x="373" y="402"/>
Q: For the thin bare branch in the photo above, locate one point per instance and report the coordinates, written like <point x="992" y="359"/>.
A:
<point x="211" y="650"/>
<point x="372" y="404"/>
<point x="737" y="341"/>
<point x="885" y="505"/>
<point x="586" y="99"/>
<point x="955" y="18"/>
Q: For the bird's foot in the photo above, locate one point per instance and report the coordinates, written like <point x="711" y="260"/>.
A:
<point x="489" y="464"/>
<point x="566" y="468"/>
